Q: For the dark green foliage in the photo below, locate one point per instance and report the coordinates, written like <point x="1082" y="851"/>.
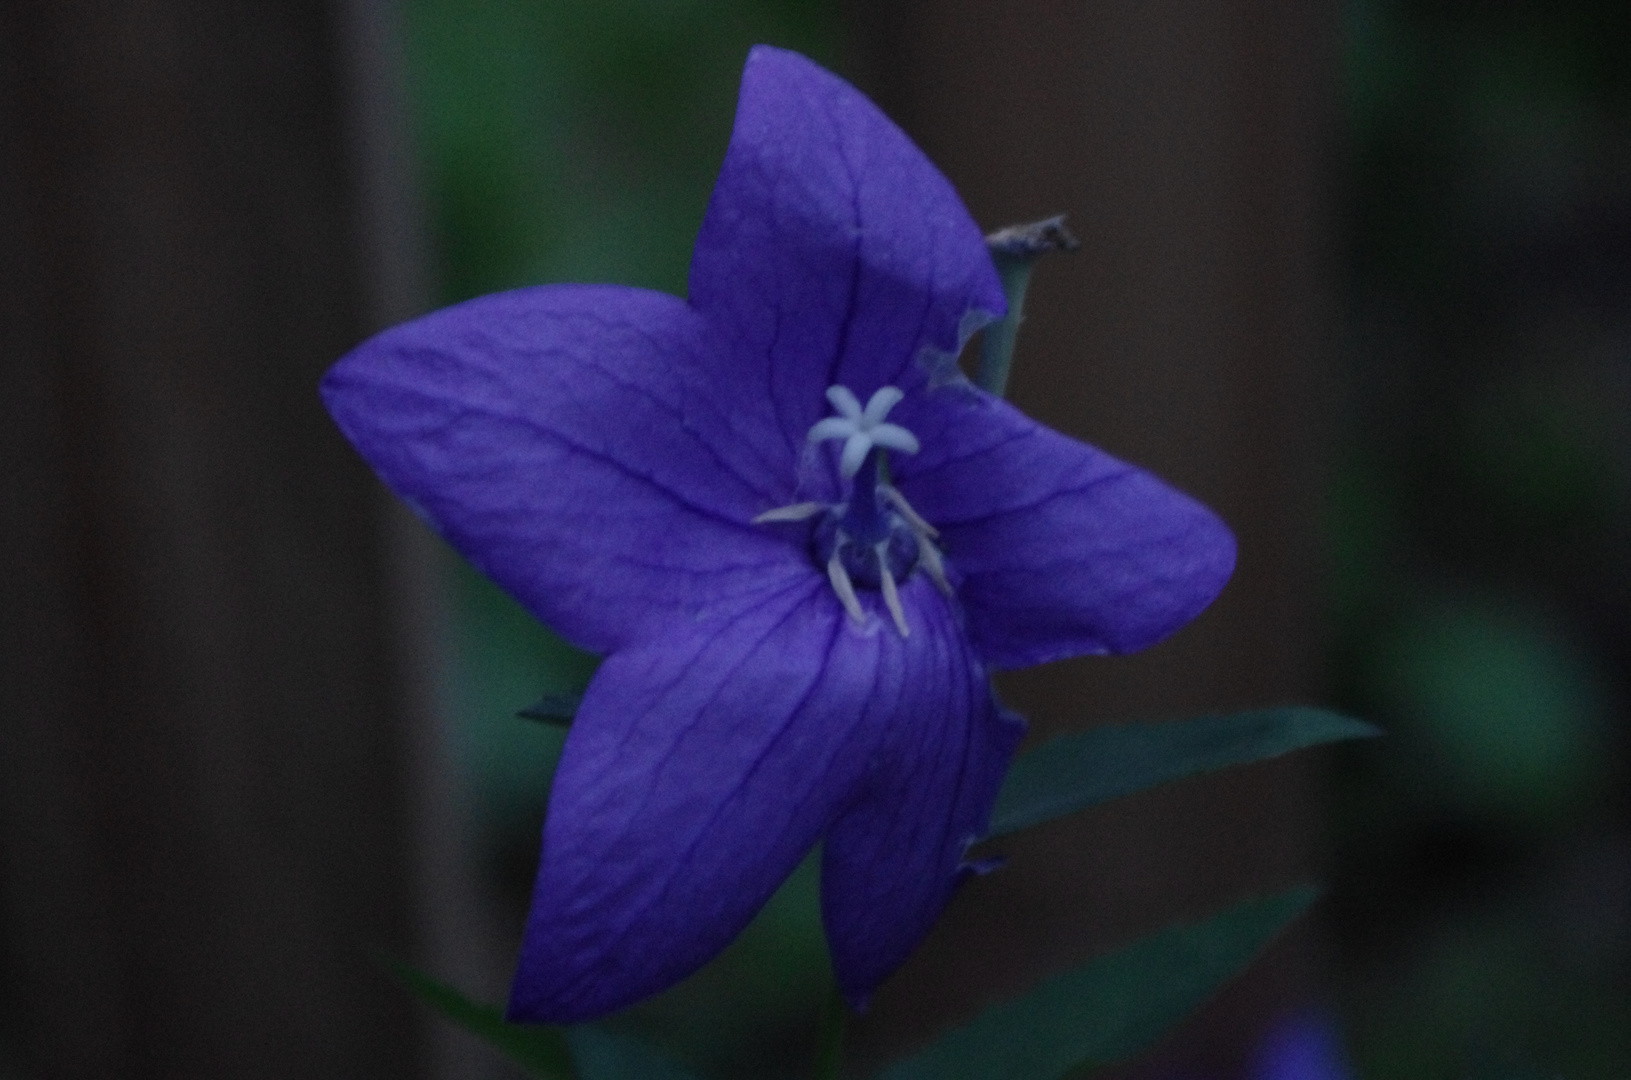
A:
<point x="1477" y="533"/>
<point x="1077" y="771"/>
<point x="1112" y="1008"/>
<point x="577" y="140"/>
<point x="606" y="1055"/>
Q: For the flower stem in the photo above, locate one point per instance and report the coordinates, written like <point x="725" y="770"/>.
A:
<point x="831" y="1056"/>
<point x="1015" y="251"/>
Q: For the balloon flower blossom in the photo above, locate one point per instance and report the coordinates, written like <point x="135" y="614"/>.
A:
<point x="798" y="536"/>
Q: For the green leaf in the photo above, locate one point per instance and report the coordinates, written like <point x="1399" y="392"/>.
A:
<point x="539" y="1049"/>
<point x="1074" y="772"/>
<point x="608" y="1055"/>
<point x="1110" y="1009"/>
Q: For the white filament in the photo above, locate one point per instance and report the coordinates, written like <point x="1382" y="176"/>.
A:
<point x="845" y="588"/>
<point x="891" y="595"/>
<point x="797" y="512"/>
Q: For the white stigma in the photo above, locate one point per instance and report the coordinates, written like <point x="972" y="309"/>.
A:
<point x="862" y="429"/>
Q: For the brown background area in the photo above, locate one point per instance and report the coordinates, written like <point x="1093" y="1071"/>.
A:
<point x="205" y="807"/>
<point x="1188" y="335"/>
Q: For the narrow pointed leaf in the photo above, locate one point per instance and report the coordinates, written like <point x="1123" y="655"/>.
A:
<point x="1074" y="772"/>
<point x="1110" y="1009"/>
<point x="608" y="1055"/>
<point x="542" y="1051"/>
<point x="557" y="709"/>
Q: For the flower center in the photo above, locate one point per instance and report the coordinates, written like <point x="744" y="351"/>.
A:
<point x="874" y="539"/>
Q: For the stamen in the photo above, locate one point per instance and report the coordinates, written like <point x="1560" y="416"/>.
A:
<point x="913" y="518"/>
<point x="928" y="557"/>
<point x="797" y="512"/>
<point x="891" y="595"/>
<point x="863" y="521"/>
<point x="842" y="585"/>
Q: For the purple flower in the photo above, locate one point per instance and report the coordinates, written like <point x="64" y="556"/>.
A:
<point x="799" y="538"/>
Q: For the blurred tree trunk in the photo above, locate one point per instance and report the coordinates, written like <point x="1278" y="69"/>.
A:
<point x="1184" y="139"/>
<point x="210" y="764"/>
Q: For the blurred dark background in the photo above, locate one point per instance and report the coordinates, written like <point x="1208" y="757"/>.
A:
<point x="1358" y="274"/>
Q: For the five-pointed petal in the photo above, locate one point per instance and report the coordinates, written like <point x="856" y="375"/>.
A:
<point x="604" y="454"/>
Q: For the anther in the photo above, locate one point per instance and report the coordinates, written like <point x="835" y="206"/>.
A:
<point x="913" y="518"/>
<point x="797" y="512"/>
<point x="928" y="557"/>
<point x="842" y="585"/>
<point x="891" y="595"/>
